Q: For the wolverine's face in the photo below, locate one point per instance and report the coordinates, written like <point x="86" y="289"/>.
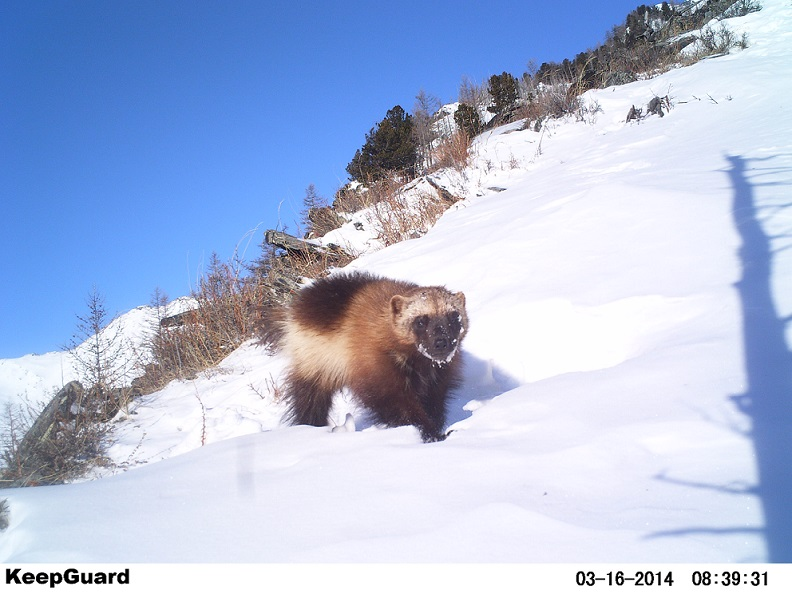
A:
<point x="437" y="337"/>
<point x="434" y="321"/>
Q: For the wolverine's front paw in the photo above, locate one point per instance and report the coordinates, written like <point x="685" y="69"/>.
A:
<point x="430" y="437"/>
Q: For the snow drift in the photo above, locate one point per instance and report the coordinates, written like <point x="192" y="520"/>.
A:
<point x="612" y="408"/>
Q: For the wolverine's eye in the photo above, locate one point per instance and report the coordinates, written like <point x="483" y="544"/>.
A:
<point x="420" y="323"/>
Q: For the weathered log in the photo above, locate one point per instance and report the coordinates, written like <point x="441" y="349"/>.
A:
<point x="180" y="319"/>
<point x="291" y="243"/>
<point x="296" y="245"/>
<point x="444" y="194"/>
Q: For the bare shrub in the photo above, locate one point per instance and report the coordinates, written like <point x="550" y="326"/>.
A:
<point x="396" y="212"/>
<point x="272" y="389"/>
<point x="224" y="317"/>
<point x="554" y="100"/>
<point x="453" y="152"/>
<point x="16" y="420"/>
<point x="353" y="197"/>
<point x="552" y="95"/>
<point x="732" y="8"/>
<point x="400" y="214"/>
<point x="56" y="443"/>
<point x="322" y="220"/>
<point x="5" y="515"/>
<point x="203" y="418"/>
<point x="474" y="94"/>
<point x="587" y="111"/>
<point x="426" y="105"/>
<point x="224" y="305"/>
<point x="280" y="271"/>
<point x="718" y="40"/>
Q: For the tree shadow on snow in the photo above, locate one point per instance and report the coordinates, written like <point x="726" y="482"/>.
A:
<point x="768" y="361"/>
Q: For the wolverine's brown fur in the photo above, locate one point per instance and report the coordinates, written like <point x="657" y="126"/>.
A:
<point x="393" y="344"/>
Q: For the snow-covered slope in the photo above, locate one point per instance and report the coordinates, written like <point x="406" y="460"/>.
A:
<point x="35" y="379"/>
<point x="599" y="420"/>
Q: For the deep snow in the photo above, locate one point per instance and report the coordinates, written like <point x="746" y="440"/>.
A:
<point x="609" y="369"/>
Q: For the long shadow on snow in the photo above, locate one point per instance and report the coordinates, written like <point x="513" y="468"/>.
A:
<point x="768" y="399"/>
<point x="768" y="362"/>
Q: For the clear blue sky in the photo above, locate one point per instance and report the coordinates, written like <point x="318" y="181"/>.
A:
<point x="137" y="137"/>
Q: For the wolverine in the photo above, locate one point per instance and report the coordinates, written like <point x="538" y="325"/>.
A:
<point x="393" y="344"/>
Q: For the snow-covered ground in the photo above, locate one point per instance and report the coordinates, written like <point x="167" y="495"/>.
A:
<point x="609" y="367"/>
<point x="34" y="379"/>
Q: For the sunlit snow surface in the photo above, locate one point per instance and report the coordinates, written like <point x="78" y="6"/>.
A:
<point x="598" y="419"/>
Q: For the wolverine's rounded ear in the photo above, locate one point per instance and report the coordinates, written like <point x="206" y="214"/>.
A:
<point x="460" y="297"/>
<point x="397" y="305"/>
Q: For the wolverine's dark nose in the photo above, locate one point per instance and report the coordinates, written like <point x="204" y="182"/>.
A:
<point x="441" y="343"/>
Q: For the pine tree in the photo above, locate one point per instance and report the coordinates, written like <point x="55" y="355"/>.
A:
<point x="99" y="352"/>
<point x="666" y="9"/>
<point x="503" y="88"/>
<point x="310" y="201"/>
<point x="468" y="120"/>
<point x="389" y="148"/>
